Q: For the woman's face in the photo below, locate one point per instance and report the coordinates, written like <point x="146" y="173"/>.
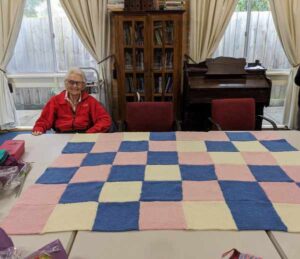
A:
<point x="74" y="84"/>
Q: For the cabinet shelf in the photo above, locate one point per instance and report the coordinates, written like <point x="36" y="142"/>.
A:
<point x="162" y="71"/>
<point x="132" y="71"/>
<point x="148" y="48"/>
<point x="134" y="46"/>
<point x="169" y="95"/>
<point x="134" y="94"/>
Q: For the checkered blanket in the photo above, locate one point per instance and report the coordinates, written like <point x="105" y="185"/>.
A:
<point x="174" y="180"/>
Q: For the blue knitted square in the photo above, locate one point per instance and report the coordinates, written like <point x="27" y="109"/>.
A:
<point x="117" y="217"/>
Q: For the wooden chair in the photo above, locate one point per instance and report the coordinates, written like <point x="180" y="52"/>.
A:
<point x="149" y="116"/>
<point x="235" y="114"/>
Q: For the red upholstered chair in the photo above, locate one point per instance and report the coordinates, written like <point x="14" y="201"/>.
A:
<point x="235" y="114"/>
<point x="149" y="116"/>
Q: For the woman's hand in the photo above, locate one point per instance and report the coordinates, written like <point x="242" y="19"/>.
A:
<point x="36" y="133"/>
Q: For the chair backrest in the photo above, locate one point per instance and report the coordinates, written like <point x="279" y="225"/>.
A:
<point x="149" y="116"/>
<point x="234" y="114"/>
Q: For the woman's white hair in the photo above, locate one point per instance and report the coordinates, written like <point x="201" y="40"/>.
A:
<point x="77" y="71"/>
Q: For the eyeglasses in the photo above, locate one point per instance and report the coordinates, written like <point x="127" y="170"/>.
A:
<point x="72" y="82"/>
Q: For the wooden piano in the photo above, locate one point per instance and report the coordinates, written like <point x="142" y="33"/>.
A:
<point x="218" y="78"/>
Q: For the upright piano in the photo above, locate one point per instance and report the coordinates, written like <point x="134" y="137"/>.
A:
<point x="221" y="78"/>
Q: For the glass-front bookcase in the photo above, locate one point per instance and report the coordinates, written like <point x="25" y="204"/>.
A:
<point x="148" y="47"/>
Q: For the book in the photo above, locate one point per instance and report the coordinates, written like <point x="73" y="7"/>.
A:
<point x="139" y="33"/>
<point x="129" y="84"/>
<point x="158" y="33"/>
<point x="140" y="84"/>
<point x="169" y="84"/>
<point x="158" y="84"/>
<point x="169" y="32"/>
<point x="157" y="61"/>
<point x="128" y="59"/>
<point x="174" y="5"/>
<point x="139" y="59"/>
<point x="169" y="59"/>
<point x="127" y="33"/>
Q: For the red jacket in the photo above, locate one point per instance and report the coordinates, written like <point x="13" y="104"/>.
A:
<point x="90" y="115"/>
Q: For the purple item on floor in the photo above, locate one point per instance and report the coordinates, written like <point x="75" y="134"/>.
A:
<point x="5" y="240"/>
<point x="55" y="249"/>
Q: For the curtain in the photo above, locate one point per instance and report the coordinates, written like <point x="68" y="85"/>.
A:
<point x="11" y="14"/>
<point x="89" y="18"/>
<point x="208" y="22"/>
<point x="287" y="21"/>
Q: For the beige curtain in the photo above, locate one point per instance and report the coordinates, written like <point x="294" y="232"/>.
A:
<point x="208" y="21"/>
<point x="11" y="14"/>
<point x="90" y="20"/>
<point x="286" y="15"/>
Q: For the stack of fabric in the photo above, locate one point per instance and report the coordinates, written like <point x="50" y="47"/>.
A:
<point x="174" y="5"/>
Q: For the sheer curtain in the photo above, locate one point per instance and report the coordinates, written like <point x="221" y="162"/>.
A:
<point x="208" y="21"/>
<point x="90" y="20"/>
<point x="11" y="14"/>
<point x="287" y="21"/>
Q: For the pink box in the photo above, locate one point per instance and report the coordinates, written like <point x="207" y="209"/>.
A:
<point x="15" y="148"/>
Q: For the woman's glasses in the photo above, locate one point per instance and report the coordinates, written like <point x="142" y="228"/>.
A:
<point x="72" y="82"/>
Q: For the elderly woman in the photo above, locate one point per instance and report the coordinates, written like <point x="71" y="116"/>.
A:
<point x="73" y="110"/>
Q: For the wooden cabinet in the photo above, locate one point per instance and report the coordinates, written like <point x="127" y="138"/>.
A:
<point x="148" y="48"/>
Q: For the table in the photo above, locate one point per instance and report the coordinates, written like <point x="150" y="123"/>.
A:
<point x="41" y="151"/>
<point x="288" y="244"/>
<point x="44" y="149"/>
<point x="170" y="244"/>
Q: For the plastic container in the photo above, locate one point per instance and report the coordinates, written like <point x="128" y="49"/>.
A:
<point x="7" y="174"/>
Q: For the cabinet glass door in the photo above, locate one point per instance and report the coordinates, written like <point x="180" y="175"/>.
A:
<point x="134" y="58"/>
<point x="127" y="33"/>
<point x="162" y="61"/>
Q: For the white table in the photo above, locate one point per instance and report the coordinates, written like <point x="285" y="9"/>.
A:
<point x="170" y="244"/>
<point x="41" y="151"/>
<point x="288" y="244"/>
<point x="44" y="149"/>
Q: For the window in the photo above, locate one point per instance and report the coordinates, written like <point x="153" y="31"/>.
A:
<point x="251" y="34"/>
<point x="47" y="43"/>
<point x="33" y="50"/>
<point x="70" y="51"/>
